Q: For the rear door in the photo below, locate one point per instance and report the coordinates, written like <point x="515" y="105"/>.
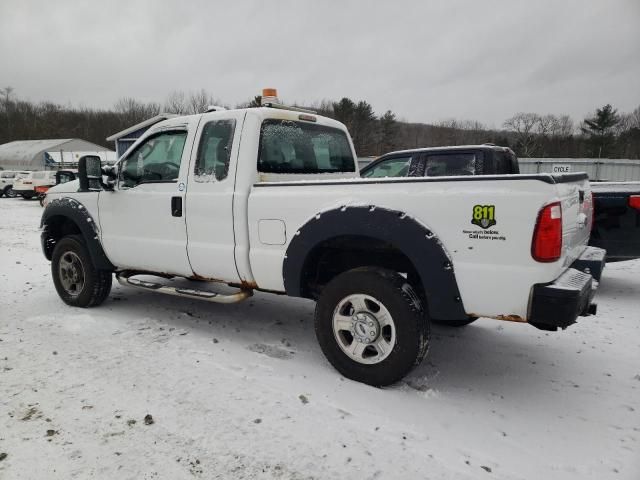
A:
<point x="210" y="194"/>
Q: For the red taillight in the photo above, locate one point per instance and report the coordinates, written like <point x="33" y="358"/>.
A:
<point x="634" y="201"/>
<point x="547" y="237"/>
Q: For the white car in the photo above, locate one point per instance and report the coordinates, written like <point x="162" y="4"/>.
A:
<point x="25" y="185"/>
<point x="270" y="199"/>
<point x="7" y="177"/>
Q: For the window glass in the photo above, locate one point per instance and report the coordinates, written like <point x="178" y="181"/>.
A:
<point x="504" y="163"/>
<point x="451" y="164"/>
<point x="64" y="177"/>
<point x="299" y="147"/>
<point x="393" y="167"/>
<point x="155" y="160"/>
<point x="214" y="150"/>
<point x="8" y="175"/>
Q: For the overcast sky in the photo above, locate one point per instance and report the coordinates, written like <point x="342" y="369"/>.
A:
<point x="424" y="60"/>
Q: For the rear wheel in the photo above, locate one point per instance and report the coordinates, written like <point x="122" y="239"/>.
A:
<point x="9" y="193"/>
<point x="77" y="281"/>
<point x="28" y="196"/>
<point x="371" y="327"/>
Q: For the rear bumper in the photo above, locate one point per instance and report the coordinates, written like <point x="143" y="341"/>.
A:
<point x="558" y="304"/>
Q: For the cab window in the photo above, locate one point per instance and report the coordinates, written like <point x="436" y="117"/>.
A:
<point x="214" y="150"/>
<point x="155" y="160"/>
<point x="451" y="164"/>
<point x="392" y="167"/>
<point x="299" y="147"/>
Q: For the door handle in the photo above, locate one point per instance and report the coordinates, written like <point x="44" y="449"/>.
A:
<point x="176" y="206"/>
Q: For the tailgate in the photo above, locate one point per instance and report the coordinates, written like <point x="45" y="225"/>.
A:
<point x="574" y="193"/>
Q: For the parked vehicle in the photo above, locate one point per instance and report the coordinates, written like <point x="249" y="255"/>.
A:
<point x="270" y="199"/>
<point x="616" y="226"/>
<point x="7" y="177"/>
<point x="61" y="176"/>
<point x="617" y="219"/>
<point x="26" y="185"/>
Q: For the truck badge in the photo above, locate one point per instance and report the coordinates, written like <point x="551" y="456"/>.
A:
<point x="484" y="216"/>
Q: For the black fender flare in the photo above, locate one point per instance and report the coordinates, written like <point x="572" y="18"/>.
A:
<point x="419" y="244"/>
<point x="71" y="209"/>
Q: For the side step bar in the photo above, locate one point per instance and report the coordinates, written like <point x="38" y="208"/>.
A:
<point x="125" y="278"/>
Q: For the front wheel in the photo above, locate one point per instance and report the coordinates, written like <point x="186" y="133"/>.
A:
<point x="77" y="281"/>
<point x="9" y="193"/>
<point x="371" y="326"/>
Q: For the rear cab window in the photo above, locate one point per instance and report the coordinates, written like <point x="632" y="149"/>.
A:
<point x="214" y="150"/>
<point x="288" y="146"/>
<point x="453" y="164"/>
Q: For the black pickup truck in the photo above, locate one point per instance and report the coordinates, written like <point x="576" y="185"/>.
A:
<point x="616" y="226"/>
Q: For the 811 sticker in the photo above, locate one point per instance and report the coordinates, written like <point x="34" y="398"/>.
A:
<point x="484" y="216"/>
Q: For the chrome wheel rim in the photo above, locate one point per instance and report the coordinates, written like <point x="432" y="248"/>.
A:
<point x="364" y="329"/>
<point x="71" y="273"/>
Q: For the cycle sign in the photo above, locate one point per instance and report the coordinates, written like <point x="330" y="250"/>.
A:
<point x="564" y="168"/>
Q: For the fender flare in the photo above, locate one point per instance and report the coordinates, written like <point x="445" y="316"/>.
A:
<point x="72" y="210"/>
<point x="418" y="243"/>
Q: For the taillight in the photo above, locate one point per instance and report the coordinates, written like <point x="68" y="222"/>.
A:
<point x="634" y="201"/>
<point x="547" y="236"/>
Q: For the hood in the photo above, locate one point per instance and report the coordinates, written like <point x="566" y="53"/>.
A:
<point x="69" y="187"/>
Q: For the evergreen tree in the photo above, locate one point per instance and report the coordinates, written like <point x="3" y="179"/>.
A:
<point x="388" y="132"/>
<point x="600" y="128"/>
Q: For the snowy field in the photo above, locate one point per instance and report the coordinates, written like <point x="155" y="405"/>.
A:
<point x="244" y="391"/>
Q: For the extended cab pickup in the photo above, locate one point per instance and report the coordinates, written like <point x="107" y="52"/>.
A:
<point x="270" y="199"/>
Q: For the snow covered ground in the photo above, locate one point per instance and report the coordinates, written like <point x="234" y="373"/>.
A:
<point x="243" y="391"/>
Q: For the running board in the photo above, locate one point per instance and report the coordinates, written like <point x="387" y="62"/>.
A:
<point x="125" y="278"/>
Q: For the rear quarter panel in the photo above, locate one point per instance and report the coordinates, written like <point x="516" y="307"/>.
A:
<point x="493" y="266"/>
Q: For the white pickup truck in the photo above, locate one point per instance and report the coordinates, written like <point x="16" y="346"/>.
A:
<point x="270" y="199"/>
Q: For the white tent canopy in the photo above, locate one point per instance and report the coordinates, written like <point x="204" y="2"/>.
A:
<point x="37" y="154"/>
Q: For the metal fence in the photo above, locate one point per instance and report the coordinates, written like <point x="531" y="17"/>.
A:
<point x="597" y="168"/>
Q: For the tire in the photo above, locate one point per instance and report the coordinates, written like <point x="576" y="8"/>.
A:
<point x="384" y="345"/>
<point x="9" y="193"/>
<point x="28" y="196"/>
<point x="77" y="281"/>
<point x="456" y="323"/>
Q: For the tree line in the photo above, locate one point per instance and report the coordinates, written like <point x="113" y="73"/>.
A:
<point x="606" y="133"/>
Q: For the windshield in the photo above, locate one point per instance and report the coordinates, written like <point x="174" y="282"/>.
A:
<point x="300" y="147"/>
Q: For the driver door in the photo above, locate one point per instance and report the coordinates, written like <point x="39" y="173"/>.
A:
<point x="143" y="220"/>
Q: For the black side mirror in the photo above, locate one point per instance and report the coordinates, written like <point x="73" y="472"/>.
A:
<point x="90" y="173"/>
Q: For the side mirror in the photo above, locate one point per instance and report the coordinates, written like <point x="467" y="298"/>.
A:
<point x="90" y="173"/>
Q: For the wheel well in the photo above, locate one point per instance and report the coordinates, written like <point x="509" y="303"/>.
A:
<point x="340" y="254"/>
<point x="55" y="228"/>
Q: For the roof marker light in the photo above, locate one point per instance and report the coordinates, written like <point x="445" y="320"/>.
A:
<point x="269" y="95"/>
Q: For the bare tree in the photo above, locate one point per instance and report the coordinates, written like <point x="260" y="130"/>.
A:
<point x="523" y="126"/>
<point x="6" y="92"/>
<point x="176" y="103"/>
<point x="199" y="101"/>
